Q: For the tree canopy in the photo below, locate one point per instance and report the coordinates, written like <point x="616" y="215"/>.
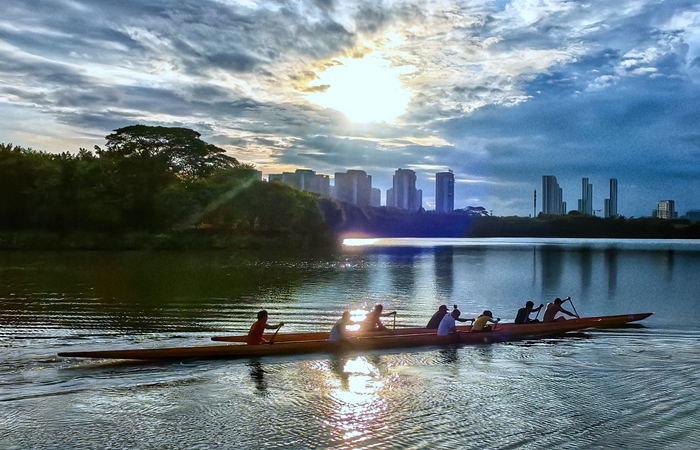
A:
<point x="154" y="180"/>
<point x="180" y="149"/>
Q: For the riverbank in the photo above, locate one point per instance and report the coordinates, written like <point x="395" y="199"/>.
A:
<point x="195" y="239"/>
<point x="389" y="222"/>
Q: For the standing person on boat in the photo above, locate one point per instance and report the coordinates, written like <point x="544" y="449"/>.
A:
<point x="373" y="321"/>
<point x="255" y="335"/>
<point x="482" y="320"/>
<point x="523" y="315"/>
<point x="553" y="308"/>
<point x="338" y="332"/>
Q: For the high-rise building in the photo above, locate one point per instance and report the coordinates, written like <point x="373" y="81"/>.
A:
<point x="611" y="203"/>
<point x="354" y="187"/>
<point x="552" y="196"/>
<point x="445" y="191"/>
<point x="666" y="209"/>
<point x="376" y="199"/>
<point x="403" y="194"/>
<point x="585" y="203"/>
<point x="304" y="180"/>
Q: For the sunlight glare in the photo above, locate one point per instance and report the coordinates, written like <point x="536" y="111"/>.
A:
<point x="365" y="89"/>
<point x="353" y="242"/>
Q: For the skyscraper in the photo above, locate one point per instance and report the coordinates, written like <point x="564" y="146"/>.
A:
<point x="403" y="194"/>
<point x="354" y="187"/>
<point x="304" y="180"/>
<point x="666" y="209"/>
<point x="445" y="191"/>
<point x="585" y="203"/>
<point x="611" y="203"/>
<point x="552" y="196"/>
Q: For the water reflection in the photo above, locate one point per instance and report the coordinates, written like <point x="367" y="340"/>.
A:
<point x="444" y="271"/>
<point x="611" y="269"/>
<point x="670" y="263"/>
<point x="358" y="404"/>
<point x="448" y="355"/>
<point x="402" y="271"/>
<point x="257" y="374"/>
<point x="586" y="262"/>
<point x="552" y="260"/>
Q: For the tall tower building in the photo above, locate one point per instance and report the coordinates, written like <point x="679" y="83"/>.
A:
<point x="445" y="191"/>
<point x="585" y="203"/>
<point x="354" y="187"/>
<point x="403" y="194"/>
<point x="552" y="196"/>
<point x="611" y="203"/>
<point x="304" y="180"/>
<point x="666" y="209"/>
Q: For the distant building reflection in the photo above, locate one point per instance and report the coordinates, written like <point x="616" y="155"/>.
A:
<point x="586" y="262"/>
<point x="611" y="256"/>
<point x="670" y="264"/>
<point x="444" y="271"/>
<point x="402" y="270"/>
<point x="552" y="262"/>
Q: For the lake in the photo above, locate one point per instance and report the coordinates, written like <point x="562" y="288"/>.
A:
<point x="634" y="387"/>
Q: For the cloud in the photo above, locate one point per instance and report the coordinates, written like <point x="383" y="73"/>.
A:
<point x="500" y="92"/>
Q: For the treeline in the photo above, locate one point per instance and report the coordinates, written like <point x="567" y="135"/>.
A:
<point x="149" y="186"/>
<point x="389" y="222"/>
<point x="574" y="225"/>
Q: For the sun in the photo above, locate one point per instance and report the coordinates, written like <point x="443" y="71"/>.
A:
<point x="364" y="89"/>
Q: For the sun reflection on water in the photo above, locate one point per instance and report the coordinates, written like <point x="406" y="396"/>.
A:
<point x="355" y="390"/>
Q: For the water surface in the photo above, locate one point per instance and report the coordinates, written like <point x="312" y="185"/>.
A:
<point x="625" y="388"/>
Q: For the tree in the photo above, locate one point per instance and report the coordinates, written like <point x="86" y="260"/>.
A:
<point x="179" y="150"/>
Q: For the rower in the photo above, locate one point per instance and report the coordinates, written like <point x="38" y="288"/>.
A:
<point x="373" y="320"/>
<point x="482" y="320"/>
<point x="523" y="315"/>
<point x="255" y="335"/>
<point x="434" y="321"/>
<point x="449" y="322"/>
<point x="338" y="332"/>
<point x="553" y="308"/>
<point x="441" y="313"/>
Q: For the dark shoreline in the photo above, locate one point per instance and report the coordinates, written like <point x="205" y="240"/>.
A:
<point x="385" y="224"/>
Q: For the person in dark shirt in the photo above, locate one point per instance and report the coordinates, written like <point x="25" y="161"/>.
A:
<point x="434" y="321"/>
<point x="373" y="321"/>
<point x="523" y="315"/>
<point x="255" y="335"/>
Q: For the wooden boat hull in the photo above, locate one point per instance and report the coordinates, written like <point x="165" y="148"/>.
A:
<point x="373" y="342"/>
<point x="591" y="322"/>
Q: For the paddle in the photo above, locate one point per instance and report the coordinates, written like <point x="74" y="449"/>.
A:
<point x="572" y="305"/>
<point x="538" y="312"/>
<point x="273" y="336"/>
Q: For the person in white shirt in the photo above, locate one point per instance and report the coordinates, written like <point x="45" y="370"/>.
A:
<point x="448" y="323"/>
<point x="338" y="332"/>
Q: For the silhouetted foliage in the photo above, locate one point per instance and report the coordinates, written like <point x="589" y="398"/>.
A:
<point x="178" y="149"/>
<point x="475" y="222"/>
<point x="156" y="180"/>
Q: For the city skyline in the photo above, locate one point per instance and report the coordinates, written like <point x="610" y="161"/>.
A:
<point x="355" y="187"/>
<point x="500" y="92"/>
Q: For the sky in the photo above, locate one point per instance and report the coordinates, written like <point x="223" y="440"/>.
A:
<point x="500" y="92"/>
